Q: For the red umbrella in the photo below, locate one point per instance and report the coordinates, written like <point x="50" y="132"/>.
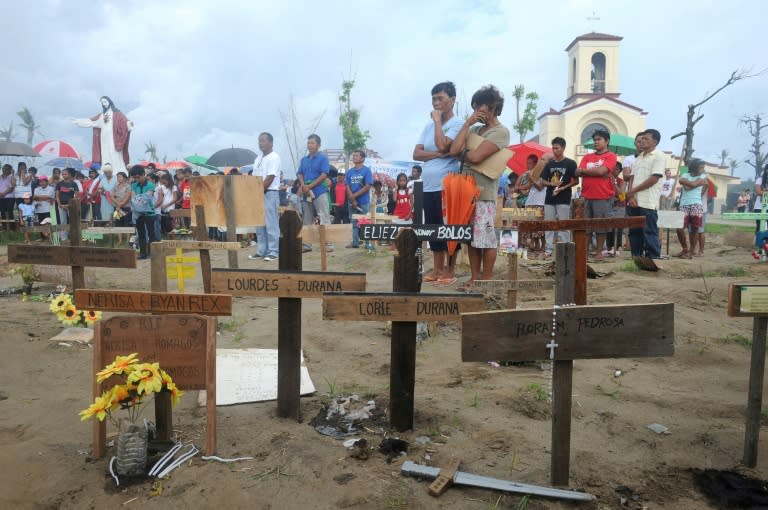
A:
<point x="518" y="161"/>
<point x="56" y="149"/>
<point x="171" y="165"/>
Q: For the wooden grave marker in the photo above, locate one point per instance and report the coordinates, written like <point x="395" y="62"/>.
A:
<point x="158" y="267"/>
<point x="74" y="255"/>
<point x="153" y="302"/>
<point x="751" y="300"/>
<point x="290" y="285"/>
<point x="404" y="307"/>
<point x="565" y="333"/>
<point x="185" y="347"/>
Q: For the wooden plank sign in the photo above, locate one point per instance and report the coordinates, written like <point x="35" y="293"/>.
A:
<point x="385" y="232"/>
<point x="200" y="245"/>
<point x="512" y="285"/>
<point x="399" y="306"/>
<point x="582" y="332"/>
<point x="287" y="284"/>
<point x="333" y="233"/>
<point x="72" y="256"/>
<point x="747" y="299"/>
<point x="152" y="302"/>
<point x="183" y="345"/>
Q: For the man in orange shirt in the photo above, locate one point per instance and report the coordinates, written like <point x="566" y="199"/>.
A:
<point x="596" y="170"/>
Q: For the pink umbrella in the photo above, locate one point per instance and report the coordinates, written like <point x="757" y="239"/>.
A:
<point x="56" y="149"/>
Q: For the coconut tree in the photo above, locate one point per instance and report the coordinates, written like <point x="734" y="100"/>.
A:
<point x="151" y="149"/>
<point x="7" y="134"/>
<point x="28" y="123"/>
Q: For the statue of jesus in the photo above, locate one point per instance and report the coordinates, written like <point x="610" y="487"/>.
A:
<point x="111" y="134"/>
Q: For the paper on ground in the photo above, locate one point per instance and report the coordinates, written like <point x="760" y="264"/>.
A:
<point x="250" y="375"/>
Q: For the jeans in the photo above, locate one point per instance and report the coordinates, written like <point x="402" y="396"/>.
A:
<point x="268" y="236"/>
<point x="363" y="209"/>
<point x="318" y="207"/>
<point x="645" y="241"/>
<point x="145" y="233"/>
<point x="560" y="212"/>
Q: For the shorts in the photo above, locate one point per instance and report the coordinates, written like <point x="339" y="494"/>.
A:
<point x="693" y="216"/>
<point x="483" y="221"/>
<point x="598" y="209"/>
<point x="433" y="215"/>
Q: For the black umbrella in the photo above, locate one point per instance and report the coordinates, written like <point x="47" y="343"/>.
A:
<point x="232" y="157"/>
<point x="17" y="149"/>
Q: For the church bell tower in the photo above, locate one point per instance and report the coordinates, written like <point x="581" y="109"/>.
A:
<point x="593" y="67"/>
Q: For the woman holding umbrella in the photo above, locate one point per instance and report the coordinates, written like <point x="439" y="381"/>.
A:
<point x="487" y="104"/>
<point x="432" y="148"/>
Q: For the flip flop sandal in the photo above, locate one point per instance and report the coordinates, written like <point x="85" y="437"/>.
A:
<point x="445" y="281"/>
<point x="430" y="278"/>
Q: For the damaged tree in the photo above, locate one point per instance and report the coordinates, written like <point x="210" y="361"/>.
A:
<point x="692" y="119"/>
<point x="755" y="126"/>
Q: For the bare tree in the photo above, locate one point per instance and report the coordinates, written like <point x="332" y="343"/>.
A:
<point x="693" y="118"/>
<point x="28" y="123"/>
<point x="296" y="137"/>
<point x="755" y="125"/>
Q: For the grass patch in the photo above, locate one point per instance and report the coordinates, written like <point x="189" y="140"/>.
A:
<point x="538" y="391"/>
<point x="731" y="272"/>
<point x="629" y="267"/>
<point x="735" y="339"/>
<point x="722" y="228"/>
<point x="232" y="324"/>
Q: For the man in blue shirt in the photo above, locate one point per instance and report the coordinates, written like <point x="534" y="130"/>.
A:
<point x="359" y="179"/>
<point x="142" y="205"/>
<point x="313" y="193"/>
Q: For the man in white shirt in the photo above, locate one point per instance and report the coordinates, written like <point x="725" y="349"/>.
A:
<point x="667" y="187"/>
<point x="643" y="196"/>
<point x="267" y="166"/>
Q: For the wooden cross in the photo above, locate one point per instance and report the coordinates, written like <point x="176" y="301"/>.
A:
<point x="568" y="333"/>
<point x="74" y="255"/>
<point x="751" y="300"/>
<point x="290" y="285"/>
<point x="404" y="307"/>
<point x="185" y="347"/>
<point x="580" y="227"/>
<point x="761" y="238"/>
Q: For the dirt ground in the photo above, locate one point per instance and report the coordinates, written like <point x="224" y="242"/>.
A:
<point x="496" y="419"/>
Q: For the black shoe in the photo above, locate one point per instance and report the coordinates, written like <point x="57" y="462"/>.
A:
<point x="143" y="257"/>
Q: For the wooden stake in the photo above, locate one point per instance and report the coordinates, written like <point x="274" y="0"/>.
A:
<point x="201" y="234"/>
<point x="755" y="395"/>
<point x="289" y="322"/>
<point x="229" y="208"/>
<point x="402" y="373"/>
<point x="75" y="238"/>
<point x="566" y="255"/>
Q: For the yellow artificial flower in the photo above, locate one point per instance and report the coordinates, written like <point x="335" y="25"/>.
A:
<point x="91" y="316"/>
<point x="147" y="375"/>
<point x="60" y="303"/>
<point x="122" y="364"/>
<point x="69" y="315"/>
<point x="118" y="395"/>
<point x="99" y="408"/>
<point x="175" y="392"/>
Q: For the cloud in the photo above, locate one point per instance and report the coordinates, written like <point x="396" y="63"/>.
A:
<point x="198" y="76"/>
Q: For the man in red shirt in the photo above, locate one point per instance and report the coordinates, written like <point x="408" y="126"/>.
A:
<point x="596" y="171"/>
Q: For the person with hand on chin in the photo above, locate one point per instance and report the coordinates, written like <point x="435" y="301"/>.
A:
<point x="432" y="149"/>
<point x="487" y="104"/>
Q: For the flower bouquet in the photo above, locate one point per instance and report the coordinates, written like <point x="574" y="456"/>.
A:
<point x="68" y="313"/>
<point x="139" y="381"/>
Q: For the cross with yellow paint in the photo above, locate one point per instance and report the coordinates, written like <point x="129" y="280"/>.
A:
<point x="176" y="267"/>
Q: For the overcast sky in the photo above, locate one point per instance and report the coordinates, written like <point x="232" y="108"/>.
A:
<point x="196" y="76"/>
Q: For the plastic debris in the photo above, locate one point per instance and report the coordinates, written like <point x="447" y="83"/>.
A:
<point x="659" y="428"/>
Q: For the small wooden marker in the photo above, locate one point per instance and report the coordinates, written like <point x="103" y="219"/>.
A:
<point x="445" y="479"/>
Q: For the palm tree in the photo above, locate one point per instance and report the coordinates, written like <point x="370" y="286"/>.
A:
<point x="151" y="149"/>
<point x="28" y="123"/>
<point x="7" y="134"/>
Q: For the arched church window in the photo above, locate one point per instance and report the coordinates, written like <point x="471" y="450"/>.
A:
<point x="598" y="73"/>
<point x="588" y="131"/>
<point x="573" y="77"/>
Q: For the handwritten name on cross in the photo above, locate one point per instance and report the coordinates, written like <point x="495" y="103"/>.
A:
<point x="578" y="332"/>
